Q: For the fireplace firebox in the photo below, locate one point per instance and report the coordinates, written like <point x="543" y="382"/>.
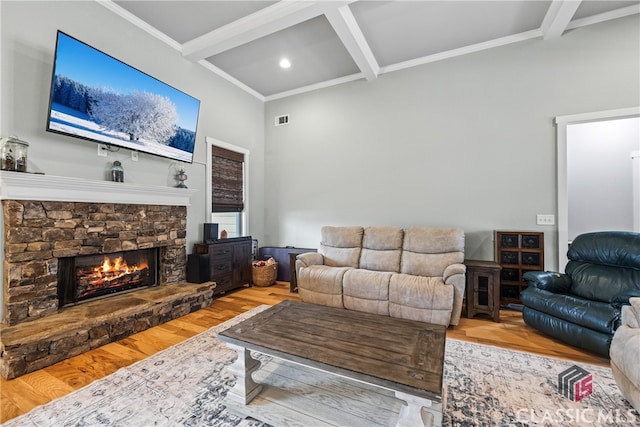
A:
<point x="87" y="277"/>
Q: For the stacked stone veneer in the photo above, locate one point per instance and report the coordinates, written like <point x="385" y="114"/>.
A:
<point x="38" y="233"/>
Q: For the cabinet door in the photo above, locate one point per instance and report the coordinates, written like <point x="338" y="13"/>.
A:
<point x="482" y="290"/>
<point x="242" y="263"/>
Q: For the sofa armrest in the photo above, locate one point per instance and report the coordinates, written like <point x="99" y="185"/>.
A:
<point x="624" y="298"/>
<point x="454" y="275"/>
<point x="631" y="313"/>
<point x="309" y="258"/>
<point x="556" y="283"/>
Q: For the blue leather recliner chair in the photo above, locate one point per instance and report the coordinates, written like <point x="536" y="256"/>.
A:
<point x="582" y="307"/>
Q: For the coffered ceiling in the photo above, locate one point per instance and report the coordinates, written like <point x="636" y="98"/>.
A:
<point x="330" y="42"/>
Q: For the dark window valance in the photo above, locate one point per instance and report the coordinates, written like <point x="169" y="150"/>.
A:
<point x="227" y="180"/>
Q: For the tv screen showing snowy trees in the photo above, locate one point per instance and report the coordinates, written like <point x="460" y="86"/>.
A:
<point x="97" y="97"/>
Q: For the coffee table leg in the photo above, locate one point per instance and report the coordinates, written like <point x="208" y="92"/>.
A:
<point x="418" y="411"/>
<point x="245" y="389"/>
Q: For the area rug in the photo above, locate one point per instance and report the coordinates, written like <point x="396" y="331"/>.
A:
<point x="185" y="385"/>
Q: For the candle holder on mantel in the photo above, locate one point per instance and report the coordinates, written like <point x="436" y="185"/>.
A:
<point x="181" y="177"/>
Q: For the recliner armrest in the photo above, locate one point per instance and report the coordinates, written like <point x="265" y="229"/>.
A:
<point x="557" y="283"/>
<point x="452" y="270"/>
<point x="310" y="258"/>
<point x="631" y="313"/>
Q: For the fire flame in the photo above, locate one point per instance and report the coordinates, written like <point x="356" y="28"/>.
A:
<point x="119" y="266"/>
<point x="110" y="275"/>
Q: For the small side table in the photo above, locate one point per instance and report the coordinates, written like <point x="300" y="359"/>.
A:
<point x="483" y="288"/>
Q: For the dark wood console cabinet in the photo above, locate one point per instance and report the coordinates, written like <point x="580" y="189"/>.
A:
<point x="229" y="262"/>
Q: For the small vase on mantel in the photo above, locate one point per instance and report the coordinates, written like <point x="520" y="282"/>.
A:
<point x="181" y="177"/>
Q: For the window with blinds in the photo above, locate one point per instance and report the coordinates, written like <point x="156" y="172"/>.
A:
<point x="227" y="180"/>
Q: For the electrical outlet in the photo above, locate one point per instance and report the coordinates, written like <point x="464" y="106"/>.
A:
<point x="542" y="219"/>
<point x="102" y="150"/>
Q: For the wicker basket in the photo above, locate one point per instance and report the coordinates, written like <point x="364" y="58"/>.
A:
<point x="265" y="275"/>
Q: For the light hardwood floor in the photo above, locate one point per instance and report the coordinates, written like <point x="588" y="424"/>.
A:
<point x="20" y="395"/>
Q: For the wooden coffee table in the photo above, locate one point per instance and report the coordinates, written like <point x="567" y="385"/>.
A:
<point x="404" y="356"/>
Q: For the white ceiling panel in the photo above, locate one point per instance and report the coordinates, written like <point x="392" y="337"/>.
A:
<point x="401" y="31"/>
<point x="333" y="41"/>
<point x="313" y="48"/>
<point x="186" y="20"/>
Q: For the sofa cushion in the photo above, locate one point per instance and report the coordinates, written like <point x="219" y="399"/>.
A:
<point x="428" y="251"/>
<point x="319" y="284"/>
<point x="595" y="315"/>
<point x="381" y="248"/>
<point x="426" y="299"/>
<point x="365" y="290"/>
<point x="341" y="246"/>
<point x="601" y="282"/>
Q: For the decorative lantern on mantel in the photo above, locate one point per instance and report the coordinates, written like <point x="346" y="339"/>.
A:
<point x="13" y="154"/>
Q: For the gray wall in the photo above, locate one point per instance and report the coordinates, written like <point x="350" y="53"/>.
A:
<point x="466" y="142"/>
<point x="28" y="39"/>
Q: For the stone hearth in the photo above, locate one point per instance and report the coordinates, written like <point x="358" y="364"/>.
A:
<point x="34" y="345"/>
<point x="46" y="218"/>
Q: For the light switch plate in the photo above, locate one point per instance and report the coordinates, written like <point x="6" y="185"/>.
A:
<point x="545" y="219"/>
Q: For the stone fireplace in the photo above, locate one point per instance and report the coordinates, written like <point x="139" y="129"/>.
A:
<point x="59" y="229"/>
<point x="40" y="233"/>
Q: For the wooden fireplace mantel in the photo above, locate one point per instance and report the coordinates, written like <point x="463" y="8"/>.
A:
<point x="28" y="186"/>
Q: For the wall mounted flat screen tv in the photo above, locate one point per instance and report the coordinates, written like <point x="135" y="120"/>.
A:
<point x="96" y="97"/>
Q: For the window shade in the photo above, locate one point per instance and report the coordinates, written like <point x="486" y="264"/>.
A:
<point x="227" y="180"/>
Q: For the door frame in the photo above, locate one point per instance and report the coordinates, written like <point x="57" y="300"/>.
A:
<point x="561" y="136"/>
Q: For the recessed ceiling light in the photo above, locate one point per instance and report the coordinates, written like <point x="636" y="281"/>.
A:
<point x="284" y="63"/>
